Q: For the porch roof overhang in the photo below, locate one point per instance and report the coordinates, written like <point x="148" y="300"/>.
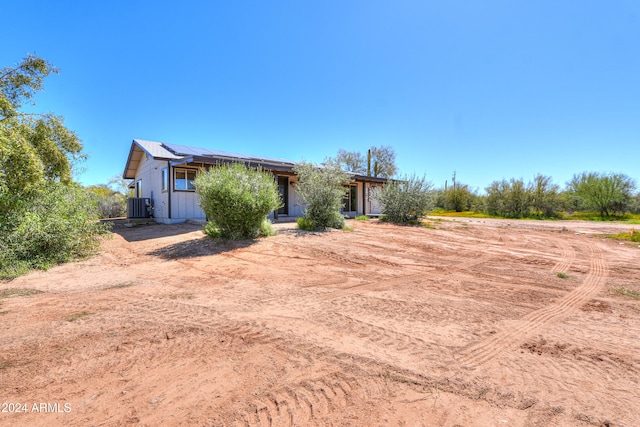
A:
<point x="209" y="160"/>
<point x="365" y="178"/>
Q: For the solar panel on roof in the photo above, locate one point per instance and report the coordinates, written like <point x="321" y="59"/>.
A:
<point x="185" y="150"/>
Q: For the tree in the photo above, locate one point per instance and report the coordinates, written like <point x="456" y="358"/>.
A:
<point x="44" y="217"/>
<point x="120" y="185"/>
<point x="322" y="189"/>
<point x="38" y="146"/>
<point x="237" y="199"/>
<point x="110" y="203"/>
<point x="458" y="197"/>
<point x="21" y="83"/>
<point x="379" y="161"/>
<point x="407" y="200"/>
<point x="382" y="162"/>
<point x="608" y="193"/>
<point x="351" y="161"/>
<point x="511" y="199"/>
<point x="545" y="196"/>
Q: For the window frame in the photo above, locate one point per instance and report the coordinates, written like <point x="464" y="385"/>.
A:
<point x="186" y="172"/>
<point x="164" y="176"/>
<point x="350" y="200"/>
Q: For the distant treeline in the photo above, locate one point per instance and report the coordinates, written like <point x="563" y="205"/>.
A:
<point x="609" y="195"/>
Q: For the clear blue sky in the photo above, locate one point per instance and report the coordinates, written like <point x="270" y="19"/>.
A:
<point x="491" y="89"/>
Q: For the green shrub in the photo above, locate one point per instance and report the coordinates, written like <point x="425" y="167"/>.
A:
<point x="362" y="218"/>
<point x="322" y="190"/>
<point x="111" y="204"/>
<point x="632" y="236"/>
<point x="406" y="200"/>
<point x="305" y="224"/>
<point x="236" y="200"/>
<point x="266" y="229"/>
<point x="53" y="224"/>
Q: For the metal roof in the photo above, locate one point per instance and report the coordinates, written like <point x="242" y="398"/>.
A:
<point x="140" y="147"/>
<point x="156" y="149"/>
<point x="183" y="150"/>
<point x="181" y="154"/>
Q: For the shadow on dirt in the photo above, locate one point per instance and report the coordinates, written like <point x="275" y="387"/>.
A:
<point x="140" y="232"/>
<point x="200" y="246"/>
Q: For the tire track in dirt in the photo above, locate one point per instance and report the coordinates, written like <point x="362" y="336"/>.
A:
<point x="198" y="316"/>
<point x="510" y="337"/>
<point x="302" y="403"/>
<point x="381" y="337"/>
<point x="566" y="258"/>
<point x="393" y="282"/>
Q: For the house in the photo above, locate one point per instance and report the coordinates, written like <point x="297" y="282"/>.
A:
<point x="163" y="176"/>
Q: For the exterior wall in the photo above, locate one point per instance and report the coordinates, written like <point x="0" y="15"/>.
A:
<point x="359" y="201"/>
<point x="149" y="175"/>
<point x="184" y="204"/>
<point x="373" y="206"/>
<point x="296" y="208"/>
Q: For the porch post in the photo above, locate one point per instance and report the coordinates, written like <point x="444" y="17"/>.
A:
<point x="275" y="211"/>
<point x="364" y="198"/>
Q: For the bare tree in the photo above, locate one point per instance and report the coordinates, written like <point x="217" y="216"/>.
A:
<point x="351" y="161"/>
<point x="378" y="162"/>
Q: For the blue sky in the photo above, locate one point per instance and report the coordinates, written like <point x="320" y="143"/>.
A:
<point x="491" y="89"/>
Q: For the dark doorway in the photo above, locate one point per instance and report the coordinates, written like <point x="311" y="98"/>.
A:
<point x="283" y="189"/>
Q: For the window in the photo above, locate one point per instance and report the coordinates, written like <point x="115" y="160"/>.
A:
<point x="165" y="179"/>
<point x="350" y="202"/>
<point x="139" y="188"/>
<point x="184" y="179"/>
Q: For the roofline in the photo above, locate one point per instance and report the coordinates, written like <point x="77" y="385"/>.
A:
<point x="126" y="165"/>
<point x="137" y="144"/>
<point x="213" y="160"/>
<point x="366" y="178"/>
<point x="209" y="160"/>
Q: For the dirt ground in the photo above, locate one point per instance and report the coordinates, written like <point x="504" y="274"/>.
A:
<point x="464" y="324"/>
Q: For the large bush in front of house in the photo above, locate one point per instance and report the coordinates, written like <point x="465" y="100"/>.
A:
<point x="322" y="190"/>
<point x="406" y="200"/>
<point x="237" y="200"/>
<point x="46" y="226"/>
<point x="45" y="218"/>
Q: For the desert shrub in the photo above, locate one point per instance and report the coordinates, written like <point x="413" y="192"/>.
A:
<point x="305" y="224"/>
<point x="509" y="199"/>
<point x="53" y="224"/>
<point x="236" y="200"/>
<point x="110" y="204"/>
<point x="322" y="190"/>
<point x="608" y="193"/>
<point x="634" y="204"/>
<point x="545" y="199"/>
<point x="632" y="236"/>
<point x="266" y="229"/>
<point x="407" y="200"/>
<point x="457" y="198"/>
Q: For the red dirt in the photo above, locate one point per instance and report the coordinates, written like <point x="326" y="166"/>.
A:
<point x="467" y="324"/>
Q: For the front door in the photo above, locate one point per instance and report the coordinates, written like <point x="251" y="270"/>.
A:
<point x="283" y="189"/>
